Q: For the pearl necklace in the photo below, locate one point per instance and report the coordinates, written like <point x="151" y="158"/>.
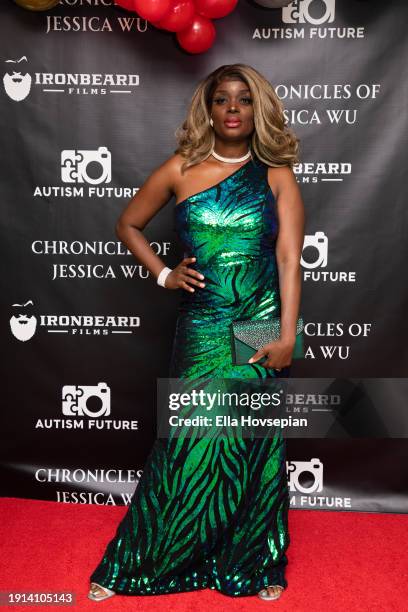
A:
<point x="231" y="160"/>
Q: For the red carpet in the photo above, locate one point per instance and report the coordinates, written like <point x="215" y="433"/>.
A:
<point x="350" y="561"/>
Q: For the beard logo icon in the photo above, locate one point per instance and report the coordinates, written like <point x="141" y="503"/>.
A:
<point x="23" y="324"/>
<point x="17" y="85"/>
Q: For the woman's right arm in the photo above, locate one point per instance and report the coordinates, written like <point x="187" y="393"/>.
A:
<point x="150" y="198"/>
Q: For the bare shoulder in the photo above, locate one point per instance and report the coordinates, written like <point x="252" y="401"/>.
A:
<point x="160" y="184"/>
<point x="173" y="163"/>
<point x="167" y="171"/>
<point x="153" y="194"/>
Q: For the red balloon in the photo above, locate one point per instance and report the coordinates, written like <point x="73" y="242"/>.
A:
<point x="126" y="4"/>
<point x="214" y="9"/>
<point x="180" y="16"/>
<point x="153" y="10"/>
<point x="199" y="36"/>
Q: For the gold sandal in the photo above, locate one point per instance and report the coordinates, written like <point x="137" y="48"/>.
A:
<point x="106" y="593"/>
<point x="277" y="592"/>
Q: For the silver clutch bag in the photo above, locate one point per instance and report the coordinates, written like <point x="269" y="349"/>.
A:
<point x="249" y="336"/>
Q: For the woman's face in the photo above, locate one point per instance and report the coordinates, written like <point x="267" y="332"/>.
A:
<point x="232" y="110"/>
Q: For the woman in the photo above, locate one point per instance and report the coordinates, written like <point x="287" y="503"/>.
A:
<point x="207" y="514"/>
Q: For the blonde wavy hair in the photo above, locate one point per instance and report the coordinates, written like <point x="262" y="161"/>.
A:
<point x="272" y="141"/>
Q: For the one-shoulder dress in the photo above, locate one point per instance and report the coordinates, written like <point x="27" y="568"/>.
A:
<point x="207" y="514"/>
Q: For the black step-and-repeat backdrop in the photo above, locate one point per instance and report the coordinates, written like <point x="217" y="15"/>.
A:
<point x="90" y="101"/>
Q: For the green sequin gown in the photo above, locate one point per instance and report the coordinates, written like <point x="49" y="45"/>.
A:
<point x="206" y="513"/>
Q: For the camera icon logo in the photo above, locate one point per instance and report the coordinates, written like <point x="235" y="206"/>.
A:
<point x="86" y="400"/>
<point x="302" y="11"/>
<point x="319" y="242"/>
<point x="314" y="467"/>
<point x="76" y="165"/>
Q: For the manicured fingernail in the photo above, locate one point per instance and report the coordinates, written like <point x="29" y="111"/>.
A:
<point x="250" y="360"/>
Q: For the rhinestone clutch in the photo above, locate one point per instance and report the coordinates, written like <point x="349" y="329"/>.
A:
<point x="249" y="336"/>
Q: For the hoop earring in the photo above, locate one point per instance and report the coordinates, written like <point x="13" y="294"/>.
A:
<point x="211" y="122"/>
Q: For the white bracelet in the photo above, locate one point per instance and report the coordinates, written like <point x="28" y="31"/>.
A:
<point x="161" y="279"/>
